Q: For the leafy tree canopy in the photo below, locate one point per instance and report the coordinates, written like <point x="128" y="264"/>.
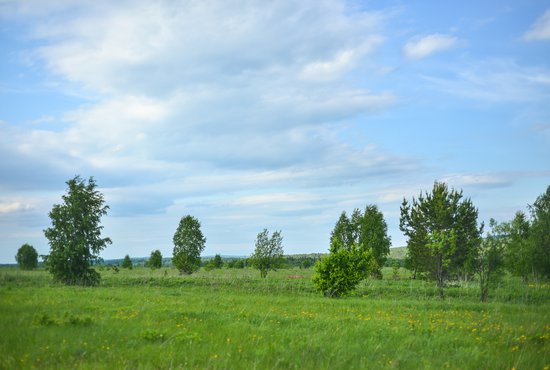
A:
<point x="268" y="254"/>
<point x="127" y="263"/>
<point x="540" y="234"/>
<point x="367" y="231"/>
<point x="155" y="261"/>
<point x="27" y="257"/>
<point x="75" y="235"/>
<point x="431" y="214"/>
<point x="189" y="242"/>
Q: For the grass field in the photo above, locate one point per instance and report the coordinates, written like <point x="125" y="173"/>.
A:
<point x="230" y="318"/>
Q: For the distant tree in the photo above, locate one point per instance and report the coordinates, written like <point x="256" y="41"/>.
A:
<point x="127" y="263"/>
<point x="490" y="258"/>
<point x="431" y="223"/>
<point x="518" y="245"/>
<point x="155" y="261"/>
<point x="217" y="261"/>
<point x="239" y="264"/>
<point x="189" y="243"/>
<point x="75" y="235"/>
<point x="540" y="234"/>
<point x="27" y="257"/>
<point x="306" y="263"/>
<point x="268" y="253"/>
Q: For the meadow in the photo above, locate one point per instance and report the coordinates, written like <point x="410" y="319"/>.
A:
<point x="233" y="319"/>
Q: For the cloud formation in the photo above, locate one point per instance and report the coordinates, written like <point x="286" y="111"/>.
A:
<point x="540" y="30"/>
<point x="256" y="114"/>
<point x="423" y="47"/>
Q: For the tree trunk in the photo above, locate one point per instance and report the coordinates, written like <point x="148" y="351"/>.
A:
<point x="439" y="275"/>
<point x="483" y="284"/>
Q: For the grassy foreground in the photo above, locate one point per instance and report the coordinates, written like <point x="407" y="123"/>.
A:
<point x="143" y="319"/>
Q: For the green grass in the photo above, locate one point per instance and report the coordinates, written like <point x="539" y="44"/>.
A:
<point x="142" y="319"/>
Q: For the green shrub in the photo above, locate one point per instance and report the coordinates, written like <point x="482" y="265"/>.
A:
<point x="338" y="273"/>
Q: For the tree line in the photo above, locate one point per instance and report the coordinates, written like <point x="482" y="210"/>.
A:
<point x="445" y="242"/>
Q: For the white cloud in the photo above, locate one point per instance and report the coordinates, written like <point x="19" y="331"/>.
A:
<point x="419" y="48"/>
<point x="459" y="180"/>
<point x="13" y="206"/>
<point x="185" y="86"/>
<point x="341" y="63"/>
<point x="540" y="30"/>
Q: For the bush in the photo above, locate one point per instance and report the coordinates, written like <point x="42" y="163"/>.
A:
<point x="338" y="273"/>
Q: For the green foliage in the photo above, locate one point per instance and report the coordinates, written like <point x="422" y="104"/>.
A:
<point x="342" y="236"/>
<point x="353" y="246"/>
<point x="153" y="335"/>
<point x="27" y="257"/>
<point x="189" y="243"/>
<point x="155" y="261"/>
<point x="540" y="234"/>
<point x="527" y="242"/>
<point x="339" y="272"/>
<point x="490" y="259"/>
<point x="268" y="254"/>
<point x="515" y="236"/>
<point x="236" y="263"/>
<point x="75" y="235"/>
<point x="127" y="263"/>
<point x="442" y="210"/>
<point x="442" y="245"/>
<point x="368" y="231"/>
<point x="374" y="237"/>
<point x="217" y="261"/>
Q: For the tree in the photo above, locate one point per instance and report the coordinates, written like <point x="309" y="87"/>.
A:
<point x="350" y="259"/>
<point x="373" y="237"/>
<point x="217" y="261"/>
<point x="268" y="254"/>
<point x="127" y="263"/>
<point x="442" y="244"/>
<point x="518" y="253"/>
<point x="189" y="242"/>
<point x="155" y="261"/>
<point x="443" y="234"/>
<point x="540" y="235"/>
<point x="368" y="231"/>
<point x="490" y="261"/>
<point x="27" y="257"/>
<point x="75" y="235"/>
<point x="342" y="234"/>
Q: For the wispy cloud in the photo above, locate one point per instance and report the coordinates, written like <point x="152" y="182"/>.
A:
<point x="497" y="81"/>
<point x="13" y="206"/>
<point x="540" y="30"/>
<point x="422" y="47"/>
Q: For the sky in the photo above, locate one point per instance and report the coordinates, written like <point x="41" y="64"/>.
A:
<point x="267" y="114"/>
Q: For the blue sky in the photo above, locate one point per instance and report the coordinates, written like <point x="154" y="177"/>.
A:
<point x="279" y="115"/>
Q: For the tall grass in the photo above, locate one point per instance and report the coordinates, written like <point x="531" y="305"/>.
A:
<point x="234" y="319"/>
